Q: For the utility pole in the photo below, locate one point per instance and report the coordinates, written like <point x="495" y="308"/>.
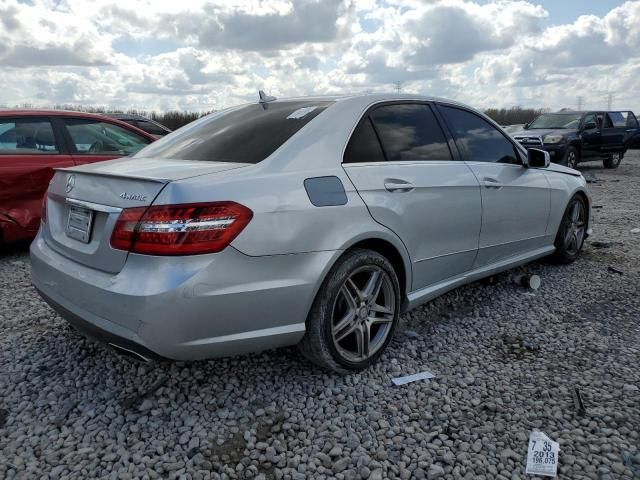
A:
<point x="580" y="103"/>
<point x="609" y="100"/>
<point x="398" y="86"/>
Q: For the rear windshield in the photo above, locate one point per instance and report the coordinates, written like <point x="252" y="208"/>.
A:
<point x="247" y="134"/>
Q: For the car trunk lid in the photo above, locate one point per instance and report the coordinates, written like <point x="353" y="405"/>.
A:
<point x="84" y="203"/>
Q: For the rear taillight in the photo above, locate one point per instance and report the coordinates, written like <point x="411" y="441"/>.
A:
<point x="43" y="213"/>
<point x="186" y="229"/>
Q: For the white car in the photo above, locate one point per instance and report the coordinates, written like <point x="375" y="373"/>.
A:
<point x="310" y="221"/>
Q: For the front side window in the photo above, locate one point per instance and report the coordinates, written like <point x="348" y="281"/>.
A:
<point x="590" y="119"/>
<point x="410" y="132"/>
<point x="26" y="136"/>
<point x="481" y="141"/>
<point x="246" y="134"/>
<point x="95" y="137"/>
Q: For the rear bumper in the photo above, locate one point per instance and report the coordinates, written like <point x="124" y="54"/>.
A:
<point x="185" y="308"/>
<point x="108" y="334"/>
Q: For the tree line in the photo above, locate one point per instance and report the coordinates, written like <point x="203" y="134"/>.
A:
<point x="514" y="115"/>
<point x="175" y="119"/>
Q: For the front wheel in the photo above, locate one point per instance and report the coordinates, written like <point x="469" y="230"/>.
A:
<point x="354" y="314"/>
<point x="612" y="161"/>
<point x="570" y="158"/>
<point x="572" y="231"/>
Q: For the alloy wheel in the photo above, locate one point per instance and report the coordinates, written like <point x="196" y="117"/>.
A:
<point x="572" y="160"/>
<point x="615" y="159"/>
<point x="575" y="228"/>
<point x="363" y="313"/>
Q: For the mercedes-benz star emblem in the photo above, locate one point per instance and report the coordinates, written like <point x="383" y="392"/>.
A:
<point x="71" y="182"/>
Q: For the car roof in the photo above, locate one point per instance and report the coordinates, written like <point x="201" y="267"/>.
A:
<point x="128" y="116"/>
<point x="370" y="98"/>
<point x="582" y="112"/>
<point x="28" y="112"/>
<point x="23" y="112"/>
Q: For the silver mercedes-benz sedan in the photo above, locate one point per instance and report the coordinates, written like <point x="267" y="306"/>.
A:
<point x="308" y="221"/>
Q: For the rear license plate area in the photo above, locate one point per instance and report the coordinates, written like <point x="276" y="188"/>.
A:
<point x="79" y="223"/>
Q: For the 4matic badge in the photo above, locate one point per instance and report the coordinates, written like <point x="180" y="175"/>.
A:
<point x="133" y="196"/>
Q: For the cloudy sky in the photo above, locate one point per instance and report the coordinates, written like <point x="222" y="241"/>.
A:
<point x="203" y="55"/>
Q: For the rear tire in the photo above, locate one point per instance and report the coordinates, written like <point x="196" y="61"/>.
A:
<point x="354" y="314"/>
<point x="570" y="158"/>
<point x="571" y="234"/>
<point x="613" y="161"/>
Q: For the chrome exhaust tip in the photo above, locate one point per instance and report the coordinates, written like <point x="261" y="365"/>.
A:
<point x="130" y="353"/>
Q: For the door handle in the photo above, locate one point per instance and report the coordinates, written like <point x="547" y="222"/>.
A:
<point x="491" y="183"/>
<point x="395" y="185"/>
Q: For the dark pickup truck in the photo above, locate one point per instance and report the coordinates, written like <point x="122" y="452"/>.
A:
<point x="574" y="137"/>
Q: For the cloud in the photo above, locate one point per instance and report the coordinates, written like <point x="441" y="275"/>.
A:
<point x="35" y="37"/>
<point x="308" y="21"/>
<point x="206" y="54"/>
<point x="56" y="55"/>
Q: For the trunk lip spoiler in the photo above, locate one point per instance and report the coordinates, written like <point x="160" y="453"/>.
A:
<point x="98" y="207"/>
<point x="114" y="175"/>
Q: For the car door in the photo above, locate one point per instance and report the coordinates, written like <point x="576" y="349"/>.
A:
<point x="402" y="165"/>
<point x="94" y="140"/>
<point x="515" y="199"/>
<point x="29" y="151"/>
<point x="613" y="133"/>
<point x="632" y="129"/>
<point x="590" y="134"/>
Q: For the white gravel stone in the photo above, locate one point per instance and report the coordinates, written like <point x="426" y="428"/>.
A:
<point x="506" y="363"/>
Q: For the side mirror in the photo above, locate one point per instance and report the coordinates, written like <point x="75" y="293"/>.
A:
<point x="526" y="126"/>
<point x="589" y="126"/>
<point x="537" y="158"/>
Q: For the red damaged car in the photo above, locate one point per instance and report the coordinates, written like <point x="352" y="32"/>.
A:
<point x="34" y="142"/>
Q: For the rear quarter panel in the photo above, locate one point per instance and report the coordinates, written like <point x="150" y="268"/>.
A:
<point x="23" y="181"/>
<point x="284" y="219"/>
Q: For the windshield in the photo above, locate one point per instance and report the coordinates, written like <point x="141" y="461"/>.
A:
<point x="556" y="120"/>
<point x="247" y="134"/>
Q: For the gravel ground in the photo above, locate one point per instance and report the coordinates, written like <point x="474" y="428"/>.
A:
<point x="507" y="362"/>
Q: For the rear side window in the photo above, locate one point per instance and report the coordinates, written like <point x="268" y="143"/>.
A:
<point x="95" y="137"/>
<point x="364" y="145"/>
<point x="618" y="120"/>
<point x="630" y="120"/>
<point x="410" y="132"/>
<point x="26" y="136"/>
<point x="481" y="141"/>
<point x="149" y="127"/>
<point x="246" y="134"/>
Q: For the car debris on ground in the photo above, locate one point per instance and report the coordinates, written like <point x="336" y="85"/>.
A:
<point x="528" y="281"/>
<point x="542" y="455"/>
<point x="412" y="378"/>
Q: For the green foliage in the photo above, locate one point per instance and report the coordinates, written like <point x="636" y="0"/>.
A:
<point x="172" y="119"/>
<point x="514" y="115"/>
<point x="175" y="119"/>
